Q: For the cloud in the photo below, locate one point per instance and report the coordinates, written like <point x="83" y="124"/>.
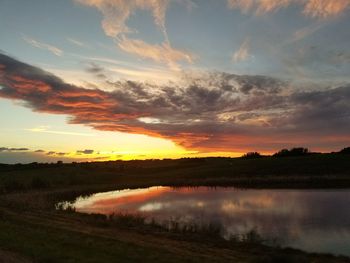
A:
<point x="258" y="6"/>
<point x="96" y="70"/>
<point x="5" y="149"/>
<point x="29" y="157"/>
<point x="57" y="154"/>
<point x="306" y="31"/>
<point x="35" y="43"/>
<point x="85" y="151"/>
<point x="61" y="153"/>
<point x="312" y="8"/>
<point x="211" y="111"/>
<point x="117" y="12"/>
<point x="44" y="129"/>
<point x="76" y="42"/>
<point x="26" y="155"/>
<point x="325" y="8"/>
<point x="317" y="62"/>
<point x="163" y="53"/>
<point x="242" y="54"/>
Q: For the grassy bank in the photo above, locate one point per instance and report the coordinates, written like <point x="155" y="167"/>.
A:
<point x="31" y="230"/>
<point x="312" y="171"/>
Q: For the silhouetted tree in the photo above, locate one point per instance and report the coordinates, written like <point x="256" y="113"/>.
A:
<point x="345" y="150"/>
<point x="252" y="155"/>
<point x="299" y="151"/>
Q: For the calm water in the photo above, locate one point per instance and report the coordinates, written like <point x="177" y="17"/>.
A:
<point x="312" y="220"/>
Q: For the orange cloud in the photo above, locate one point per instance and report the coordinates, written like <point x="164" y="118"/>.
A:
<point x="325" y="8"/>
<point x="258" y="6"/>
<point x="117" y="12"/>
<point x="313" y="8"/>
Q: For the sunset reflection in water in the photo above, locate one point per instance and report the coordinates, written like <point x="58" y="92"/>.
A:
<point x="313" y="220"/>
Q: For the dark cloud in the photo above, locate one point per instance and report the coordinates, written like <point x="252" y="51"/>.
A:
<point x="3" y="149"/>
<point x="29" y="156"/>
<point x="85" y="151"/>
<point x="61" y="153"/>
<point x="213" y="111"/>
<point x="39" y="151"/>
<point x="96" y="70"/>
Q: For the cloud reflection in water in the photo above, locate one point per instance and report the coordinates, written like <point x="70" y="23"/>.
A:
<point x="313" y="220"/>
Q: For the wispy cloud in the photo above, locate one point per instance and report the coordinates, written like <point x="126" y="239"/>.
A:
<point x="242" y="54"/>
<point x="6" y="149"/>
<point x="131" y="71"/>
<point x="76" y="42"/>
<point x="44" y="129"/>
<point x="163" y="53"/>
<point x="35" y="43"/>
<point x="312" y="8"/>
<point x="117" y="12"/>
<point x="258" y="6"/>
<point x="306" y="31"/>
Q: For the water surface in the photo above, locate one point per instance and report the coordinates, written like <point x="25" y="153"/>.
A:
<point x="312" y="220"/>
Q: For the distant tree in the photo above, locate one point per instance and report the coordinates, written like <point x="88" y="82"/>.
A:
<point x="345" y="150"/>
<point x="281" y="153"/>
<point x="299" y="151"/>
<point x="252" y="155"/>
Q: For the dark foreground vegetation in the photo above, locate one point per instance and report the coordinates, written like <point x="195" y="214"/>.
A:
<point x="32" y="230"/>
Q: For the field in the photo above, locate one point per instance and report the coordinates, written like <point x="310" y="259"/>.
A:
<point x="32" y="230"/>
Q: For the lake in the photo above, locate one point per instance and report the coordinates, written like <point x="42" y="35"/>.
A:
<point x="312" y="220"/>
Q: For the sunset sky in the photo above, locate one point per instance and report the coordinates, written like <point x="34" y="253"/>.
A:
<point x="134" y="79"/>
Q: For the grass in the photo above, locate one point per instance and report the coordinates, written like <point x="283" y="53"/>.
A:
<point x="53" y="245"/>
<point x="315" y="171"/>
<point x="72" y="237"/>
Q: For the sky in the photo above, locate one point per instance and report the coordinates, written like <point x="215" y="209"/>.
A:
<point x="88" y="80"/>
